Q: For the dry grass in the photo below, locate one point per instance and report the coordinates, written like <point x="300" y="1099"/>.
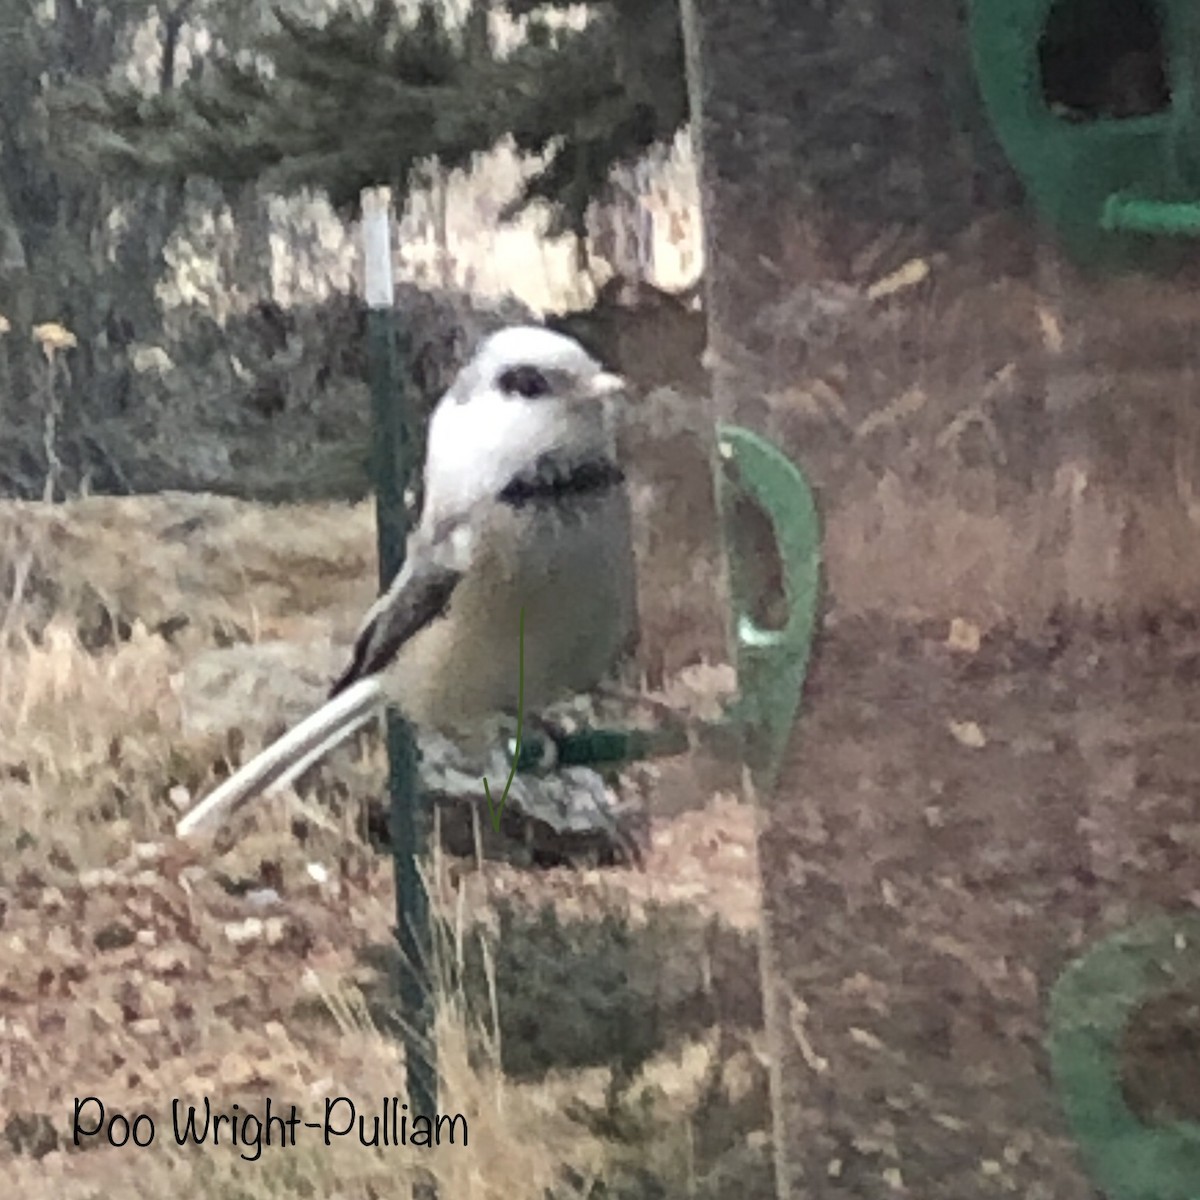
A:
<point x="167" y="1005"/>
<point x="179" y="562"/>
<point x="132" y="968"/>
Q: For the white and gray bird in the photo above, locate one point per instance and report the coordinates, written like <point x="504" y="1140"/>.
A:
<point x="525" y="507"/>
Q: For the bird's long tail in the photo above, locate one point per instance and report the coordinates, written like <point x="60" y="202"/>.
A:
<point x="282" y="761"/>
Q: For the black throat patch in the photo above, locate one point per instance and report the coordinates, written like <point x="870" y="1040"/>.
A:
<point x="553" y="482"/>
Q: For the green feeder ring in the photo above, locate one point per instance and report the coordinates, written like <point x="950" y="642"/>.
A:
<point x="771" y="663"/>
<point x="1091" y="1007"/>
<point x="1097" y="106"/>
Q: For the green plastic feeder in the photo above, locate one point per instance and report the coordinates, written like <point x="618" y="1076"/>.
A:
<point x="754" y="476"/>
<point x="1091" y="1007"/>
<point x="1097" y="106"/>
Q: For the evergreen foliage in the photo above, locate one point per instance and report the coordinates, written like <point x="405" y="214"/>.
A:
<point x="367" y="99"/>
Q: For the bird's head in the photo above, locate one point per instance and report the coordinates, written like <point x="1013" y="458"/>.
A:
<point x="529" y="363"/>
<point x="527" y="392"/>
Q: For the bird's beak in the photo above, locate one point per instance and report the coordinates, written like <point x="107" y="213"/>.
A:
<point x="605" y="384"/>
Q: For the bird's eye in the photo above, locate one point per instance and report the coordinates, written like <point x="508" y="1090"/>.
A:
<point x="524" y="381"/>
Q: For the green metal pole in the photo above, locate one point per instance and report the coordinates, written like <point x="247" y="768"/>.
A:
<point x="392" y="467"/>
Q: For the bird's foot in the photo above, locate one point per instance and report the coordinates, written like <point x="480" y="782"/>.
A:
<point x="540" y="742"/>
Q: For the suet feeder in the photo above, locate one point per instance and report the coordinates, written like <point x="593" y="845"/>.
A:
<point x="1097" y="106"/>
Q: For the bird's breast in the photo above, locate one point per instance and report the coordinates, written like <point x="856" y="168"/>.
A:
<point x="569" y="568"/>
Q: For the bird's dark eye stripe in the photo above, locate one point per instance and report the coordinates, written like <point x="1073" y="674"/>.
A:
<point x="524" y="381"/>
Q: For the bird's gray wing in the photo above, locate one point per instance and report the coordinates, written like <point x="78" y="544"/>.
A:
<point x="419" y="594"/>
